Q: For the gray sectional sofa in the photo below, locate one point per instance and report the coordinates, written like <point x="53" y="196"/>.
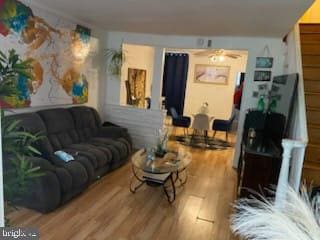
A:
<point x="78" y="131"/>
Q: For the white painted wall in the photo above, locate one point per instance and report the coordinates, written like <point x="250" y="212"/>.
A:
<point x="219" y="97"/>
<point x="254" y="46"/>
<point x="298" y="130"/>
<point x="139" y="57"/>
<point x="142" y="124"/>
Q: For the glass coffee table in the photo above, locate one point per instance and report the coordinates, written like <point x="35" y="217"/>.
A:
<point x="167" y="171"/>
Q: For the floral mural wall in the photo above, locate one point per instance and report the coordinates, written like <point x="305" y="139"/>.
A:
<point x="59" y="51"/>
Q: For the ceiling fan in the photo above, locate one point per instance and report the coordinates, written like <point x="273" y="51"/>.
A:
<point x="217" y="54"/>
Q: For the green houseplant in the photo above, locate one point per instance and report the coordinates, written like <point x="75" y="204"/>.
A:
<point x="17" y="144"/>
<point x="116" y="58"/>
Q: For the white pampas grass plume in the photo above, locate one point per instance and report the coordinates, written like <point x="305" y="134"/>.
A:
<point x="298" y="219"/>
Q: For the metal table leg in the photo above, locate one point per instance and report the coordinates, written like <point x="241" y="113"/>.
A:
<point x="170" y="199"/>
<point x="135" y="176"/>
<point x="170" y="192"/>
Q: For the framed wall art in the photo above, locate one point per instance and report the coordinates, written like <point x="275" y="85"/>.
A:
<point x="212" y="74"/>
<point x="262" y="76"/>
<point x="264" y="62"/>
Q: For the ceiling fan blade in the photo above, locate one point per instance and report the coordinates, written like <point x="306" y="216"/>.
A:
<point x="203" y="53"/>
<point x="234" y="56"/>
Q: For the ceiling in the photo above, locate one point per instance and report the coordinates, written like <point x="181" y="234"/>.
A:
<point x="267" y="18"/>
<point x="206" y="52"/>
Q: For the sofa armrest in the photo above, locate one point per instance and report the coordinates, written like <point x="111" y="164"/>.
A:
<point x="43" y="193"/>
<point x="108" y="124"/>
<point x="112" y="132"/>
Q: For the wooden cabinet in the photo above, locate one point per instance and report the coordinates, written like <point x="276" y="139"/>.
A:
<point x="259" y="167"/>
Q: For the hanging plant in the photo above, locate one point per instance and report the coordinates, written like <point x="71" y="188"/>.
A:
<point x="116" y="58"/>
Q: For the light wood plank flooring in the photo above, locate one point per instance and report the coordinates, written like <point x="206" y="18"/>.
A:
<point x="108" y="210"/>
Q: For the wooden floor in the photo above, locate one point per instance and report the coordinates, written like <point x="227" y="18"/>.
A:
<point x="108" y="210"/>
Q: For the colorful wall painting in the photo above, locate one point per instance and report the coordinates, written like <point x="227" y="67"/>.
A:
<point x="59" y="50"/>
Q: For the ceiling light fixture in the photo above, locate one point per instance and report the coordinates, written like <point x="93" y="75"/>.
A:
<point x="215" y="58"/>
<point x="221" y="58"/>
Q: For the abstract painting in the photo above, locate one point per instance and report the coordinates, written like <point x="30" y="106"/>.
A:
<point x="59" y="52"/>
<point x="137" y="81"/>
<point x="212" y="74"/>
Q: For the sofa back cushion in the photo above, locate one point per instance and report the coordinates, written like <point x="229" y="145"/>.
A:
<point x="86" y="121"/>
<point x="32" y="123"/>
<point x="60" y="127"/>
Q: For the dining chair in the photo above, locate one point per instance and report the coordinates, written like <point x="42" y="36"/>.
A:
<point x="223" y="125"/>
<point x="201" y="125"/>
<point x="180" y="121"/>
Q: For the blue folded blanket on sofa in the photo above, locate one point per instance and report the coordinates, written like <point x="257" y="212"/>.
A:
<point x="64" y="156"/>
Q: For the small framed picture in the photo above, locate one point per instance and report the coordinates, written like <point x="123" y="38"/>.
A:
<point x="280" y="80"/>
<point x="275" y="88"/>
<point x="262" y="76"/>
<point x="263" y="87"/>
<point x="264" y="62"/>
<point x="255" y="94"/>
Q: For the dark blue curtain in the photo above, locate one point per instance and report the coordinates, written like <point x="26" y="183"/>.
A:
<point x="175" y="80"/>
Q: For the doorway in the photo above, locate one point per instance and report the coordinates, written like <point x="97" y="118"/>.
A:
<point x="213" y="87"/>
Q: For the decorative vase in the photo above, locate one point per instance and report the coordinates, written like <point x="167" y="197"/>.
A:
<point x="162" y="142"/>
<point x="273" y="105"/>
<point x="261" y="104"/>
<point x="150" y="154"/>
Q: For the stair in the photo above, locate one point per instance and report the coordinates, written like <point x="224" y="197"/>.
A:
<point x="313" y="99"/>
<point x="311" y="86"/>
<point x="313" y="116"/>
<point x="310" y="51"/>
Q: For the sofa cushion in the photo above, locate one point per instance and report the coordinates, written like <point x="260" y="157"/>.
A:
<point x="120" y="146"/>
<point x="72" y="175"/>
<point x="105" y="150"/>
<point x="57" y="120"/>
<point x="32" y="123"/>
<point x="89" y="155"/>
<point x="127" y="143"/>
<point x="84" y="117"/>
<point x="114" y="151"/>
<point x="86" y="163"/>
<point x="60" y="127"/>
<point x="65" y="179"/>
<point x="79" y="174"/>
<point x="102" y="158"/>
<point x="86" y="123"/>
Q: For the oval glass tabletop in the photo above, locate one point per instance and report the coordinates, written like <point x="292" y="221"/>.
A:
<point x="171" y="162"/>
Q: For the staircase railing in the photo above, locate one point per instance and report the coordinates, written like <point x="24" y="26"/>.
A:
<point x="296" y="168"/>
